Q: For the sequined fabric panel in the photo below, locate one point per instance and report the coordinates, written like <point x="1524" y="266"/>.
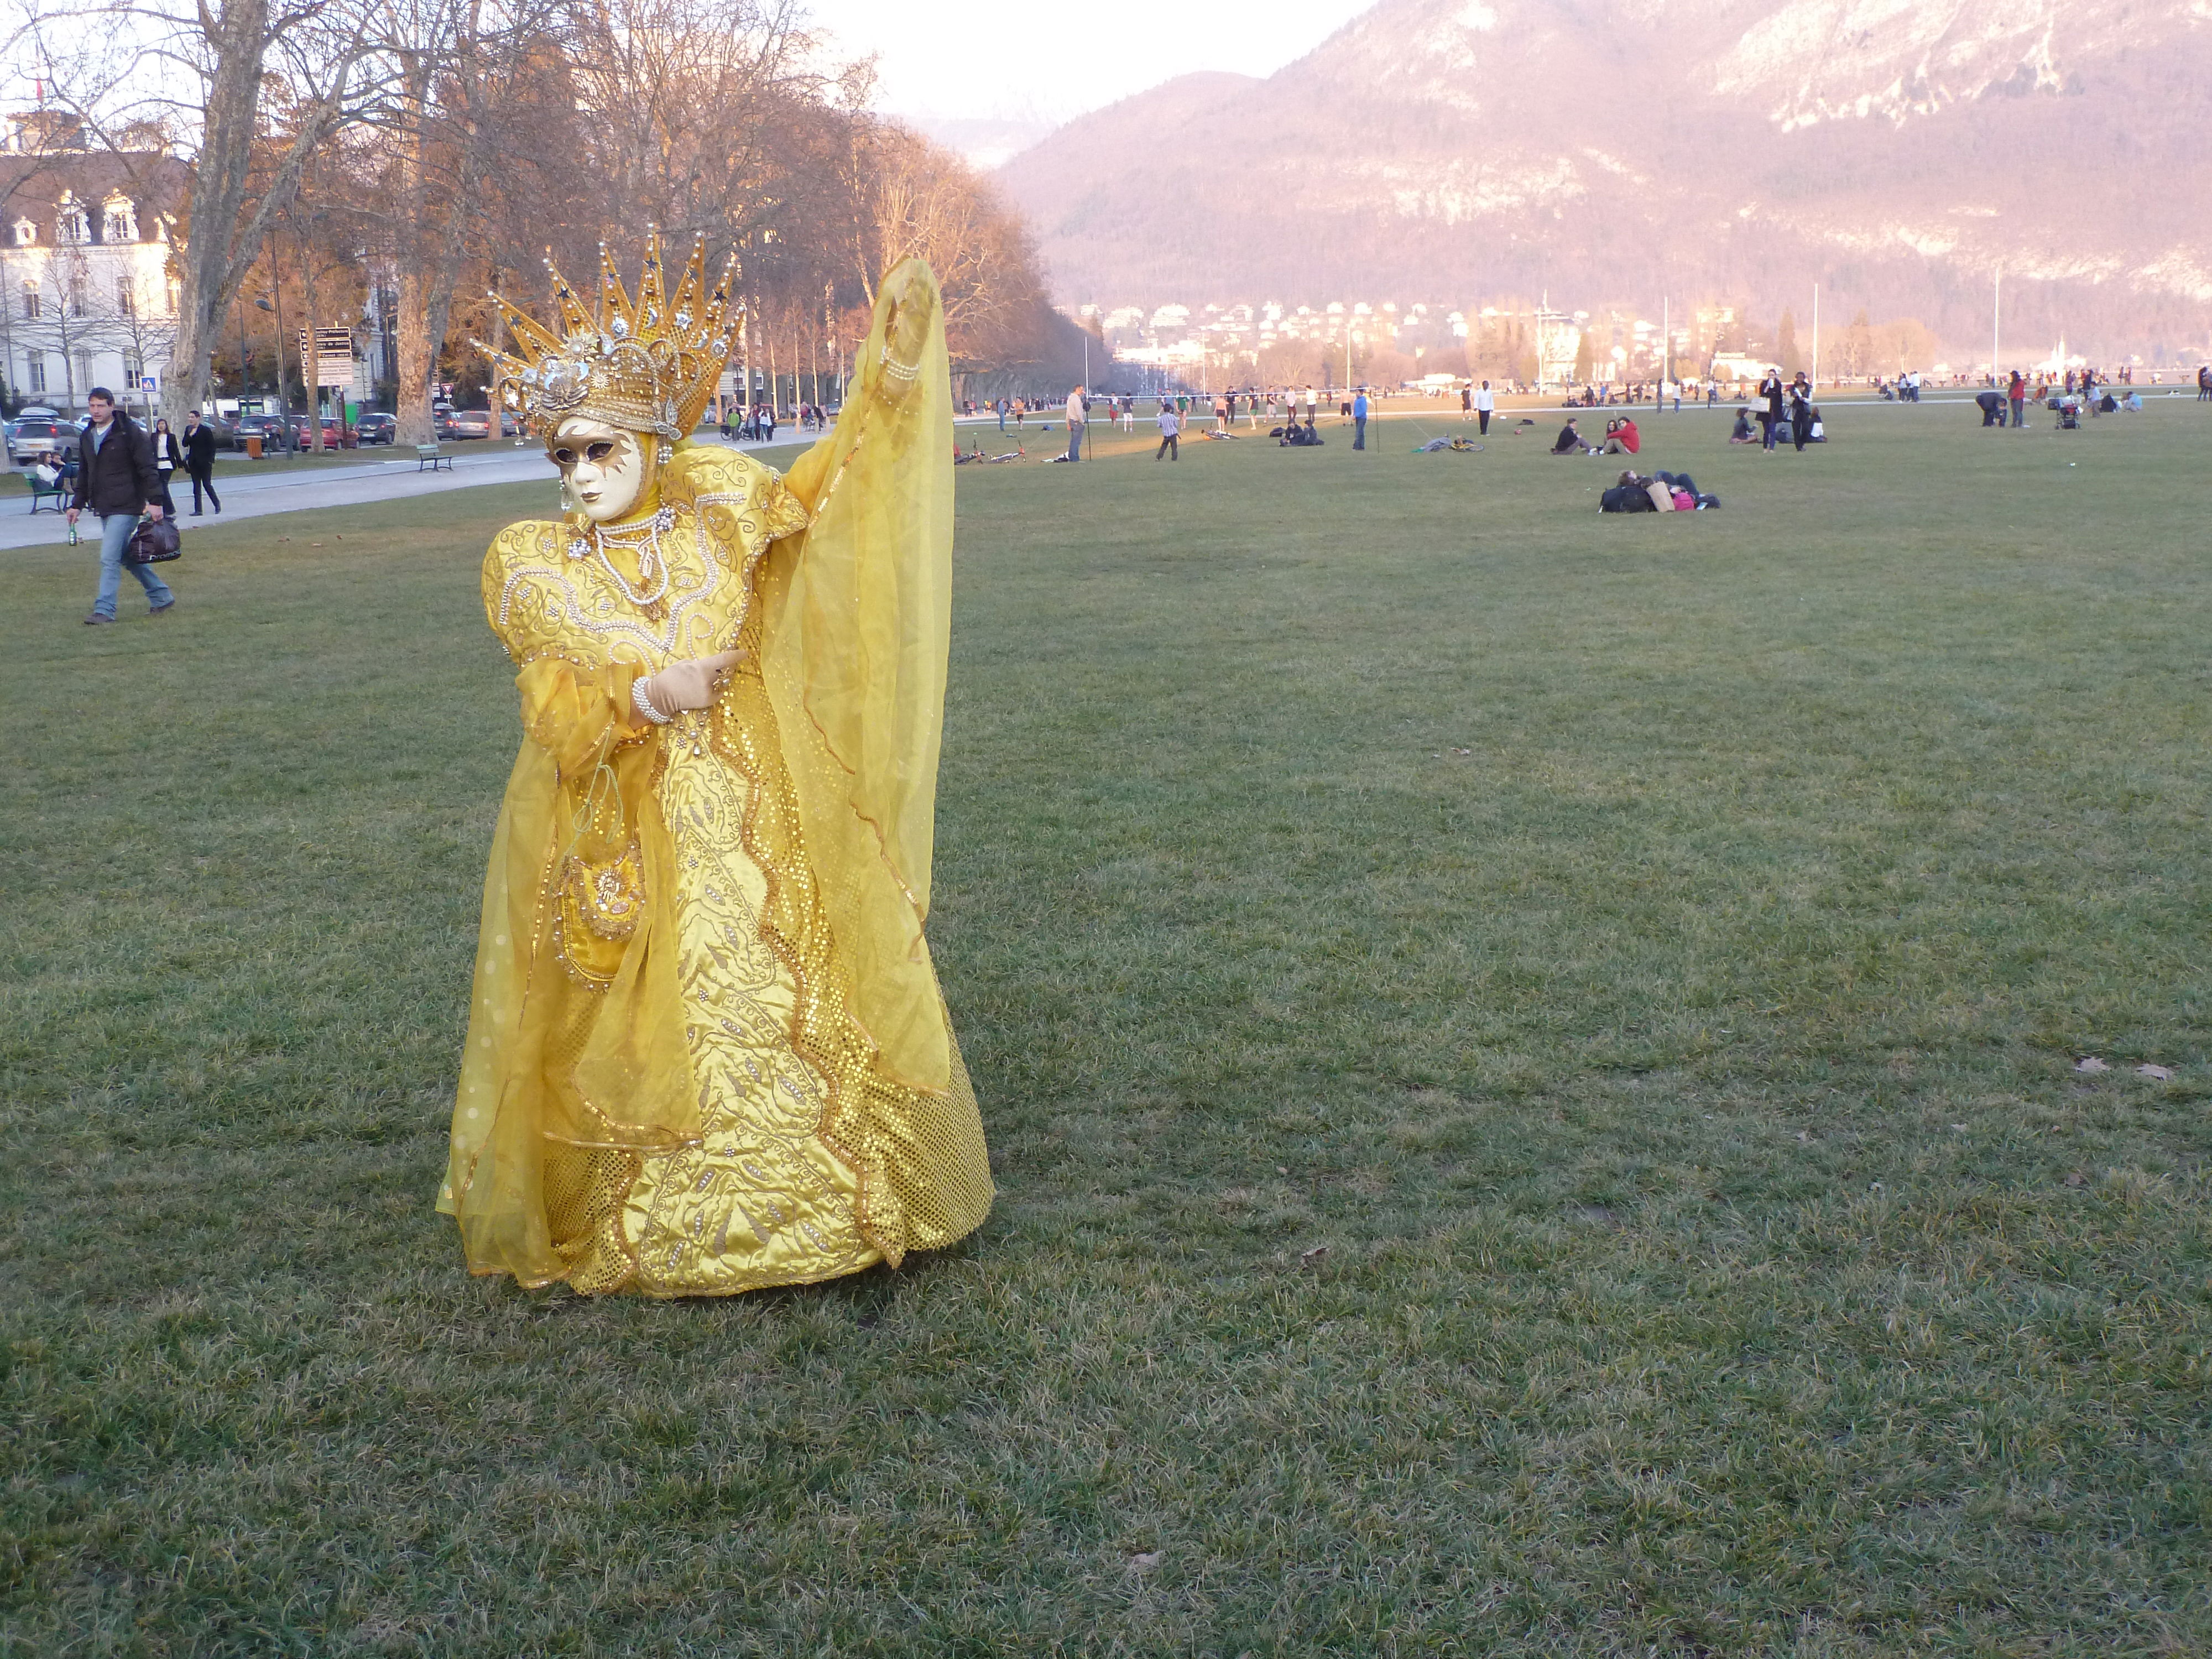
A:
<point x="762" y="1199"/>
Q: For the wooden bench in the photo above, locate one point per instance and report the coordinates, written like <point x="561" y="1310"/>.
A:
<point x="430" y="456"/>
<point x="58" y="493"/>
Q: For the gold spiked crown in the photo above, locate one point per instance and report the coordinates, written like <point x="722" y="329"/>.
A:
<point x="647" y="364"/>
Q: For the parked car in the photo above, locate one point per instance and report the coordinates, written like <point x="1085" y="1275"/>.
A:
<point x="471" y="422"/>
<point x="334" y="432"/>
<point x="226" y="435"/>
<point x="33" y="435"/>
<point x="375" y="427"/>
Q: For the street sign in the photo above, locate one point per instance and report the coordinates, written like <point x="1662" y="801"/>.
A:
<point x="332" y="362"/>
<point x="147" y="383"/>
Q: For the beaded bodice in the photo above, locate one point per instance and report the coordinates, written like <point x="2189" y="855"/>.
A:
<point x="671" y="586"/>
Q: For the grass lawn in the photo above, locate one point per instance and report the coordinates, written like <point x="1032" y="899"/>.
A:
<point x="1530" y="1060"/>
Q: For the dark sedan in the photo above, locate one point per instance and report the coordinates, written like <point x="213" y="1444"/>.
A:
<point x="376" y="428"/>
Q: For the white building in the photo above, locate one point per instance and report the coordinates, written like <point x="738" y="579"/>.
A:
<point x="87" y="294"/>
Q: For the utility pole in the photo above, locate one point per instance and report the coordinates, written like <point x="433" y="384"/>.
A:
<point x="1997" y="296"/>
<point x="1816" y="337"/>
<point x="283" y="389"/>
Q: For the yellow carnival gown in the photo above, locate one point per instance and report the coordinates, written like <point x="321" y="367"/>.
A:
<point x="707" y="1051"/>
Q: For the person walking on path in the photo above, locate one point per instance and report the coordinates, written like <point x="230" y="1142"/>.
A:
<point x="1075" y="413"/>
<point x="115" y="479"/>
<point x="167" y="458"/>
<point x="1485" y="405"/>
<point x="1170" y="430"/>
<point x="1359" y="419"/>
<point x="199" y="461"/>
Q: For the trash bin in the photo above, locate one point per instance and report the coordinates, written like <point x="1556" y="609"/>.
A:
<point x="253" y="445"/>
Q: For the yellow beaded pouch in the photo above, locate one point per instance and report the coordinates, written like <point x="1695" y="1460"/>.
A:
<point x="600" y="905"/>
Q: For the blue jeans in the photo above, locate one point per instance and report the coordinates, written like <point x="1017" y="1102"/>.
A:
<point x="1075" y="440"/>
<point x="1360" y="432"/>
<point x="115" y="530"/>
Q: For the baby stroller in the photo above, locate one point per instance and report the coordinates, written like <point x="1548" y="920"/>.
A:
<point x="2069" y="414"/>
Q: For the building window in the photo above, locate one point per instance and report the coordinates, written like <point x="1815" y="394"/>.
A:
<point x="125" y="304"/>
<point x="71" y="222"/>
<point x="119" y="220"/>
<point x="76" y="296"/>
<point x="31" y="304"/>
<point x="27" y="234"/>
<point x="35" y="372"/>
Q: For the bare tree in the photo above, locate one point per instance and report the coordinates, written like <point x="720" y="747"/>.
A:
<point x="113" y="63"/>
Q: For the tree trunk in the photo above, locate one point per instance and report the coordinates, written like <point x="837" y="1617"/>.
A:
<point x="425" y="301"/>
<point x="418" y="358"/>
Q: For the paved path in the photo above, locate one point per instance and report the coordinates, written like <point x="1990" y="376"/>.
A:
<point x="249" y="496"/>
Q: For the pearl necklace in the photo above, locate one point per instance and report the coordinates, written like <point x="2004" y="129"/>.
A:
<point x="643" y="539"/>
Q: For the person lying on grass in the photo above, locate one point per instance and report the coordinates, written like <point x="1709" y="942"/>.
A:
<point x="1665" y="492"/>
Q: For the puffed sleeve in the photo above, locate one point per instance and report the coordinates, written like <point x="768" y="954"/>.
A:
<point x="573" y="706"/>
<point x="576" y="714"/>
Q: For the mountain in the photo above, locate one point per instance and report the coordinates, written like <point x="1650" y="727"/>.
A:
<point x="1898" y="154"/>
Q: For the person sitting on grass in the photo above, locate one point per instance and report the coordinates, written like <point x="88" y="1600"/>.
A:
<point x="1621" y="437"/>
<point x="1570" y="441"/>
<point x="1296" y="436"/>
<point x="1740" y="433"/>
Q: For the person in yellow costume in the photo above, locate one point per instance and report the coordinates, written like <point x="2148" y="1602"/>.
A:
<point x="707" y="1051"/>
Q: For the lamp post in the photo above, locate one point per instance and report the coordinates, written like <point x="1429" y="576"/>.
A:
<point x="283" y="391"/>
<point x="1996" y="297"/>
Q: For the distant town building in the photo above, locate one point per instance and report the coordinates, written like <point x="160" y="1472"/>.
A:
<point x="87" y="294"/>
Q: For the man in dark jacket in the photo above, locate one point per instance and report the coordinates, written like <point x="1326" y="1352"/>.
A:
<point x="199" y="460"/>
<point x="115" y="479"/>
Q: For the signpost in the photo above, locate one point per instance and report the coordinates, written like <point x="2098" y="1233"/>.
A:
<point x="328" y="362"/>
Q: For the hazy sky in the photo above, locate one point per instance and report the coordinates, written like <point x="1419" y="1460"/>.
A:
<point x="1054" y="61"/>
